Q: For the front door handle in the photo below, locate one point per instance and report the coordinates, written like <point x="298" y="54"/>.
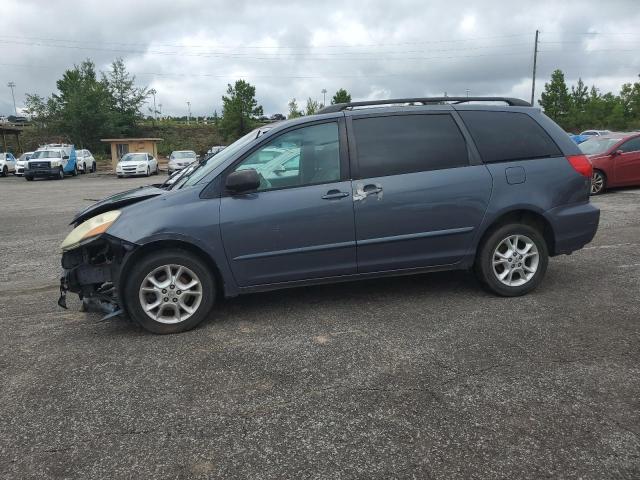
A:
<point x="334" y="195"/>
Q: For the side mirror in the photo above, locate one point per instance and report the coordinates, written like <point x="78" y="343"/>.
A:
<point x="66" y="157"/>
<point x="616" y="153"/>
<point x="242" y="181"/>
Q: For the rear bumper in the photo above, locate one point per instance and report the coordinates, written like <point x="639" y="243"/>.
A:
<point x="573" y="225"/>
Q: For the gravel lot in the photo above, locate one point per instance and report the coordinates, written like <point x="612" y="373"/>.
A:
<point x="423" y="377"/>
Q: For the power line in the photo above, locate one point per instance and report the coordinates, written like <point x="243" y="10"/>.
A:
<point x="235" y="47"/>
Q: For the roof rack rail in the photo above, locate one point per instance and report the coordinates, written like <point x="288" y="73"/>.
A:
<point x="338" y="107"/>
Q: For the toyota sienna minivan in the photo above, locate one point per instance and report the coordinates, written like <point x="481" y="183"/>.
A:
<point x="367" y="189"/>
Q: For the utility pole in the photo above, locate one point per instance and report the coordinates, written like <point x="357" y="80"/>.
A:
<point x="12" y="85"/>
<point x="189" y="113"/>
<point x="155" y="110"/>
<point x="160" y="109"/>
<point x="324" y="97"/>
<point x="467" y="93"/>
<point x="535" y="60"/>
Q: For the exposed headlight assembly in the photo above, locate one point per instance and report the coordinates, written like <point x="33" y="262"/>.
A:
<point x="89" y="228"/>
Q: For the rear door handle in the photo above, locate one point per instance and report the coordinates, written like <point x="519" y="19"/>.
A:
<point x="334" y="195"/>
<point x="363" y="191"/>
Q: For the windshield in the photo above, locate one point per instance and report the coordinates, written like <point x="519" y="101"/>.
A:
<point x="134" y="157"/>
<point x="25" y="157"/>
<point x="208" y="165"/>
<point x="175" y="155"/>
<point x="47" y="154"/>
<point x="596" y="145"/>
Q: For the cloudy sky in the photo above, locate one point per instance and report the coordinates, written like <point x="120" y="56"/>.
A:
<point x="188" y="50"/>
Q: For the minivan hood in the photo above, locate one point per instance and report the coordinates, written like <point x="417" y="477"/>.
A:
<point x="116" y="201"/>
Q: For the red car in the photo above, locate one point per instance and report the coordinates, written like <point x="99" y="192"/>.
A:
<point x="615" y="158"/>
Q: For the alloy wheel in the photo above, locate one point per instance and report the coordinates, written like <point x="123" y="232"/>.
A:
<point x="170" y="294"/>
<point x="597" y="183"/>
<point x="515" y="260"/>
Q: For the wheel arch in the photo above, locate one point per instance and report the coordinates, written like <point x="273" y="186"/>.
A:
<point x="527" y="216"/>
<point x="167" y="244"/>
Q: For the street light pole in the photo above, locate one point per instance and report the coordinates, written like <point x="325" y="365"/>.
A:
<point x="12" y="85"/>
<point x="324" y="97"/>
<point x="189" y="113"/>
<point x="155" y="110"/>
<point x="467" y="93"/>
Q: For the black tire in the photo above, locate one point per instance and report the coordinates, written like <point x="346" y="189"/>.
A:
<point x="145" y="266"/>
<point x="484" y="259"/>
<point x="28" y="178"/>
<point x="75" y="170"/>
<point x="119" y="176"/>
<point x="5" y="171"/>
<point x="93" y="167"/>
<point x="84" y="169"/>
<point x="60" y="174"/>
<point x="148" y="172"/>
<point x="598" y="182"/>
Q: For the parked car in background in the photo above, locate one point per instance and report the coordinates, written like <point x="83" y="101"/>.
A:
<point x="388" y="189"/>
<point x="7" y="163"/>
<point x="86" y="162"/>
<point x="52" y="161"/>
<point x="216" y="149"/>
<point x="579" y="138"/>
<point x="18" y="119"/>
<point x="595" y="133"/>
<point x="22" y="162"/>
<point x="132" y="164"/>
<point x="180" y="159"/>
<point x="4" y="119"/>
<point x="615" y="158"/>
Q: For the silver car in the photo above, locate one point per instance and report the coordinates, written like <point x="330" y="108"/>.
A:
<point x="180" y="159"/>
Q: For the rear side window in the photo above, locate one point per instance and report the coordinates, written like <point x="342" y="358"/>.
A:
<point x="505" y="136"/>
<point x="632" y="145"/>
<point x="399" y="144"/>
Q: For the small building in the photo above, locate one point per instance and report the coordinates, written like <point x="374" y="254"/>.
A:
<point x="122" y="146"/>
<point x="10" y="130"/>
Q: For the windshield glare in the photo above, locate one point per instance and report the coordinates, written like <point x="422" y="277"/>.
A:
<point x="134" y="157"/>
<point x="47" y="154"/>
<point x="595" y="146"/>
<point x="208" y="165"/>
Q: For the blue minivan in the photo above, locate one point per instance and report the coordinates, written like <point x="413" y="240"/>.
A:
<point x="364" y="189"/>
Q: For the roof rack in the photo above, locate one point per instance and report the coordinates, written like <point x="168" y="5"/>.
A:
<point x="338" y="107"/>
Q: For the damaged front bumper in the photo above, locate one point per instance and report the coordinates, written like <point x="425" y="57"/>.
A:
<point x="92" y="270"/>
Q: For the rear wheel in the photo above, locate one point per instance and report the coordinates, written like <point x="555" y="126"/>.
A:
<point x="5" y="171"/>
<point x="84" y="169"/>
<point x="512" y="260"/>
<point x="598" y="182"/>
<point x="75" y="170"/>
<point x="93" y="167"/>
<point x="148" y="172"/>
<point x="169" y="291"/>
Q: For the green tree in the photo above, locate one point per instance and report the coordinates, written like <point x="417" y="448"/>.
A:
<point x="294" y="112"/>
<point x="126" y="99"/>
<point x="312" y="106"/>
<point x="239" y="109"/>
<point x="555" y="99"/>
<point x="341" y="96"/>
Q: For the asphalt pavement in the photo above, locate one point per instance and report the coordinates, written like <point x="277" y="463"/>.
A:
<point x="413" y="377"/>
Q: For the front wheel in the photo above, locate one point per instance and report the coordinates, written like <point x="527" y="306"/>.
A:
<point x="5" y="171"/>
<point x="93" y="167"/>
<point x="512" y="260"/>
<point x="598" y="182"/>
<point x="29" y="178"/>
<point x="148" y="172"/>
<point x="169" y="291"/>
<point x="60" y="174"/>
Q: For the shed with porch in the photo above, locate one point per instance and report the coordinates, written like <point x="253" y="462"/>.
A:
<point x="122" y="146"/>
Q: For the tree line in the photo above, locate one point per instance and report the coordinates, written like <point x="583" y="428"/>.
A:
<point x="580" y="107"/>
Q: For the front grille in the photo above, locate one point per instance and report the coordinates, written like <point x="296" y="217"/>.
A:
<point x="37" y="165"/>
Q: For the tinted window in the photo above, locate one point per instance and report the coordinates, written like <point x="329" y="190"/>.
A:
<point x="504" y="136"/>
<point x="632" y="145"/>
<point x="395" y="145"/>
<point x="306" y="156"/>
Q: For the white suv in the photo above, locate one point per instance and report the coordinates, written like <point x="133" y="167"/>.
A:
<point x="22" y="161"/>
<point x="86" y="162"/>
<point x="7" y="164"/>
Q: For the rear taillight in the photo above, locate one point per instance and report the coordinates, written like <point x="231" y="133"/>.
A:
<point x="581" y="164"/>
